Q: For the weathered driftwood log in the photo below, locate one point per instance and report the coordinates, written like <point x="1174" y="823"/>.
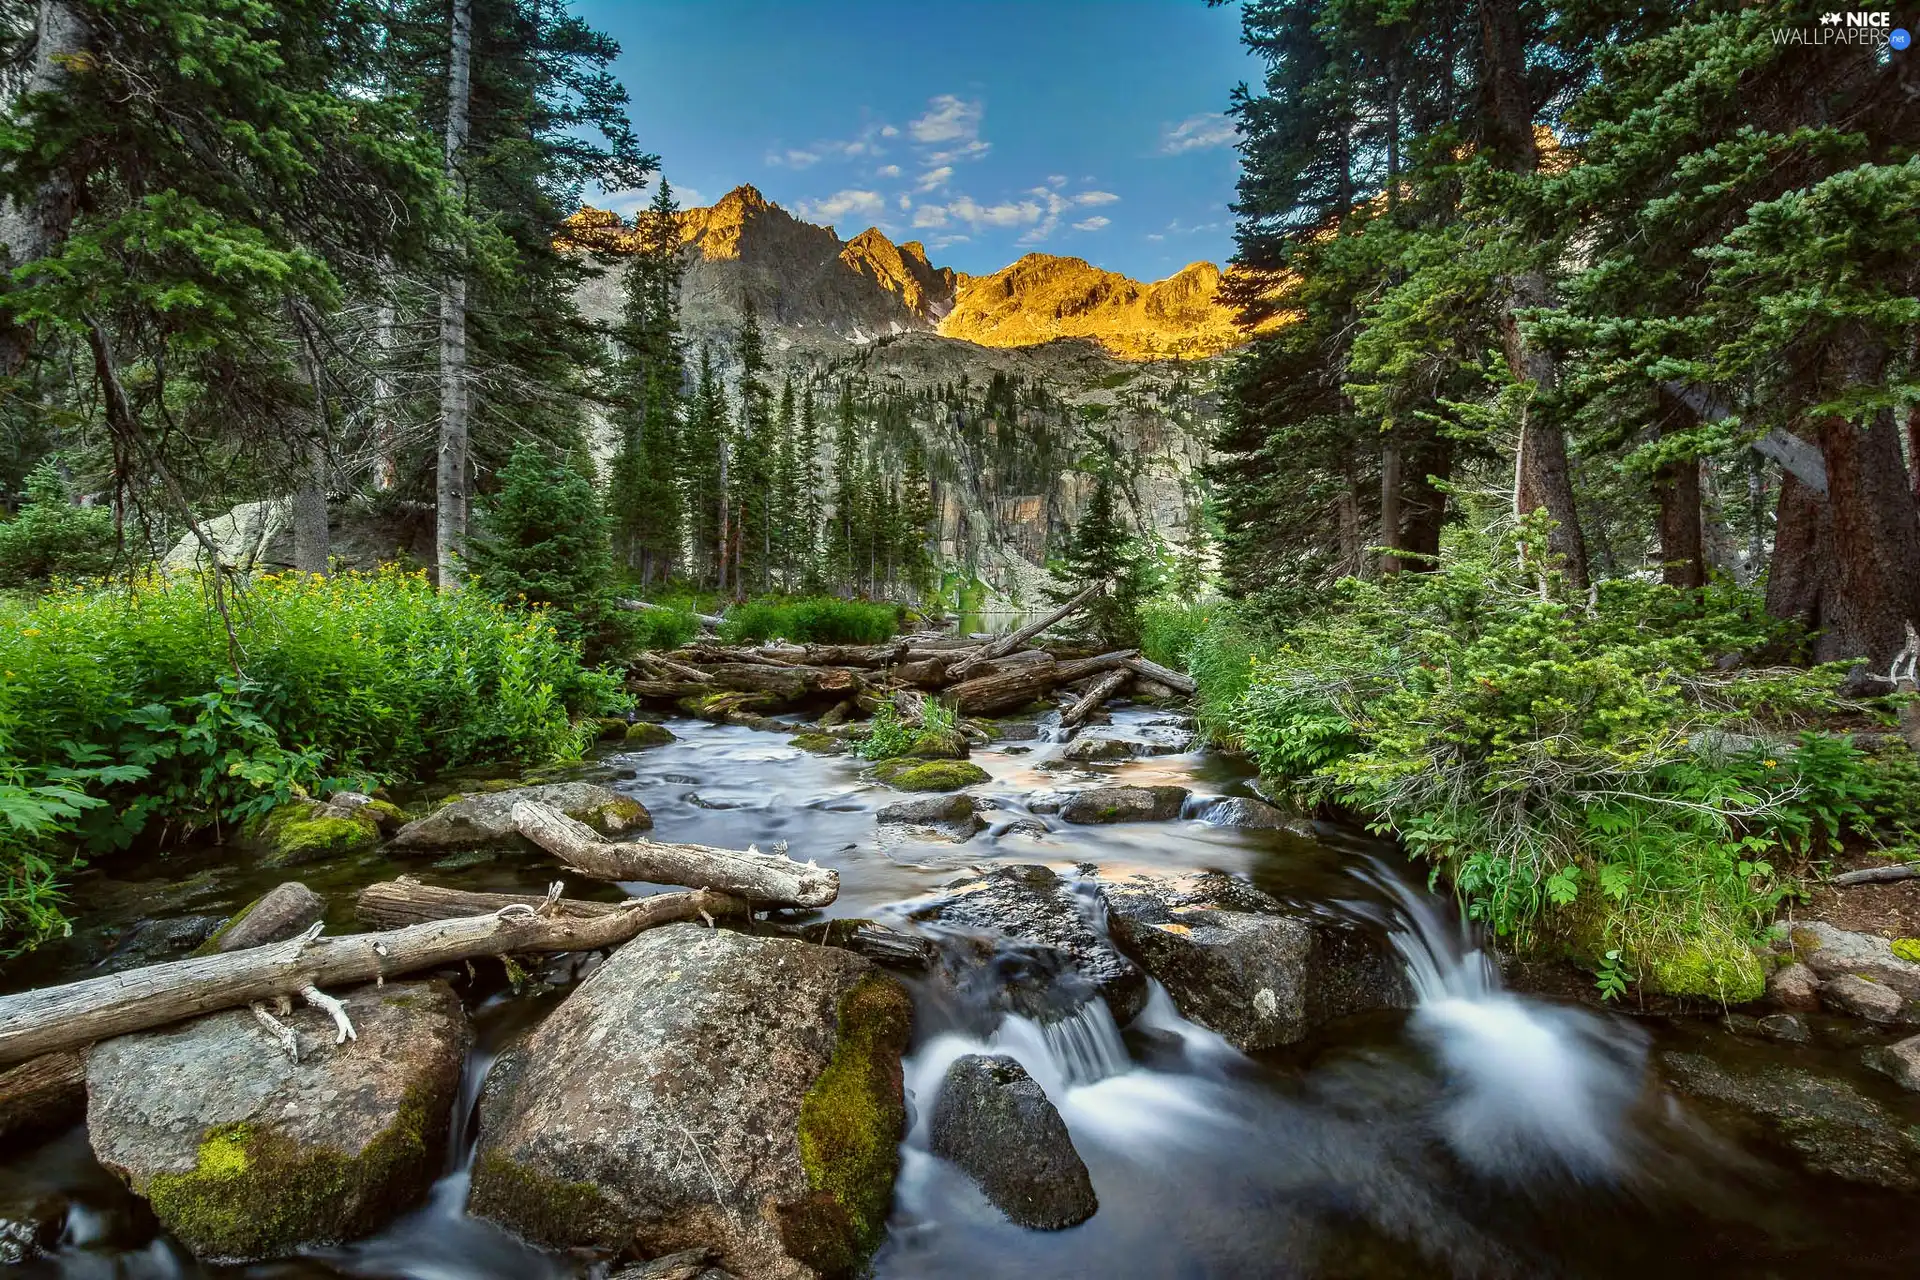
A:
<point x="48" y="1092"/>
<point x="783" y="681"/>
<point x="667" y="690"/>
<point x="1024" y="683"/>
<point x="50" y="1019"/>
<point x="1174" y="680"/>
<point x="1018" y="639"/>
<point x="866" y="656"/>
<point x="1103" y="688"/>
<point x="394" y="904"/>
<point x="1880" y="875"/>
<point x="922" y="673"/>
<point x="660" y="667"/>
<point x="764" y="879"/>
<point x="707" y="621"/>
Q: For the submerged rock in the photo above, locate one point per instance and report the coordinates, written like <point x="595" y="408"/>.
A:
<point x="1069" y="959"/>
<point x="31" y="1224"/>
<point x="277" y="914"/>
<point x="487" y="819"/>
<point x="1237" y="962"/>
<point x="949" y="817"/>
<point x="1086" y="750"/>
<point x="245" y="1154"/>
<point x="1253" y="815"/>
<point x="1124" y="804"/>
<point x="908" y="774"/>
<point x="703" y="1087"/>
<point x="1900" y="1062"/>
<point x="996" y="1123"/>
<point x="1835" y="1129"/>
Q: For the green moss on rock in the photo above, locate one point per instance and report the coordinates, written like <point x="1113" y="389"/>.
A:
<point x="544" y="1208"/>
<point x="305" y="831"/>
<point x="850" y="1127"/>
<point x="255" y="1193"/>
<point x="821" y="744"/>
<point x="644" y="733"/>
<point x="950" y="745"/>
<point x="909" y="774"/>
<point x="611" y="728"/>
<point x="1907" y="949"/>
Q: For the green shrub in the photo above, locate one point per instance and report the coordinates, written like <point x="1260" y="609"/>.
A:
<point x="1585" y="773"/>
<point x="52" y="538"/>
<point x="1169" y="627"/>
<point x="664" y="628"/>
<point x="122" y="713"/>
<point x="810" y="620"/>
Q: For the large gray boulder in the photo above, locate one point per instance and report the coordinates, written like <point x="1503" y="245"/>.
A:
<point x="274" y="916"/>
<point x="940" y="817"/>
<point x="1065" y="961"/>
<point x="486" y="819"/>
<point x="707" y="1088"/>
<point x="1832" y="952"/>
<point x="245" y="1154"/>
<point x="996" y="1123"/>
<point x="1237" y="962"/>
<point x="1253" y="815"/>
<point x="1124" y="804"/>
<point x="1834" y="1128"/>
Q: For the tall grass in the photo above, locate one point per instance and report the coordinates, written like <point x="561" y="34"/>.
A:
<point x="810" y="620"/>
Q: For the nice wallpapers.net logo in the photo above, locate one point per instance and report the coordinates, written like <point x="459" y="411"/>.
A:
<point x="1872" y="29"/>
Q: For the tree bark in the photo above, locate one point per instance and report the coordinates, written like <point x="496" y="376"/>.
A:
<point x="51" y="1019"/>
<point x="395" y="904"/>
<point x="1153" y="671"/>
<point x="1676" y="488"/>
<point x="1093" y="699"/>
<point x="764" y="879"/>
<point x="450" y="479"/>
<point x="1014" y="640"/>
<point x="37" y="227"/>
<point x="1426" y="512"/>
<point x="311" y="538"/>
<point x="1390" y="479"/>
<point x="386" y="443"/>
<point x="1022" y="685"/>
<point x="41" y="1094"/>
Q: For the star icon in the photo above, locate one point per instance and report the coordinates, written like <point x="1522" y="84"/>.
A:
<point x="1829" y="19"/>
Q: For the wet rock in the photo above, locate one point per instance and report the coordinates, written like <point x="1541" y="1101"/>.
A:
<point x="277" y="914"/>
<point x="1237" y="962"/>
<point x="1031" y="828"/>
<point x="1794" y="986"/>
<point x="950" y="745"/>
<point x="1850" y="993"/>
<point x="1124" y="804"/>
<point x="1068" y="961"/>
<point x="820" y="744"/>
<point x="487" y="819"/>
<point x="31" y="1224"/>
<point x="385" y="814"/>
<point x="1253" y="815"/>
<point x="1832" y="1127"/>
<point x="909" y="774"/>
<point x="1087" y="750"/>
<point x="304" y="830"/>
<point x="1048" y="801"/>
<point x="1899" y="1061"/>
<point x="245" y="1154"/>
<point x="703" y="1087"/>
<point x="1785" y="1028"/>
<point x="1831" y="952"/>
<point x="996" y="1123"/>
<point x="642" y="733"/>
<point x="155" y="941"/>
<point x="949" y="817"/>
<point x="1015" y="731"/>
<point x="688" y="1264"/>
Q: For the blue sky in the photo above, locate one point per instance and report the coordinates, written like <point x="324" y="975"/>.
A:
<point x="986" y="129"/>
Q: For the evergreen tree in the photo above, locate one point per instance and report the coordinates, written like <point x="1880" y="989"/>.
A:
<point x="786" y="488"/>
<point x="703" y="482"/>
<point x="806" y="488"/>
<point x="1101" y="548"/>
<point x="753" y="462"/>
<point x="643" y="497"/>
<point x="843" y="555"/>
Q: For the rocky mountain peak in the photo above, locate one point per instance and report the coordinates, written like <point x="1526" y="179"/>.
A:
<point x="903" y="271"/>
<point x="1044" y="296"/>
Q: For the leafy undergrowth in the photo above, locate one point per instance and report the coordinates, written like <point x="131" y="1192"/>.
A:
<point x="1601" y="777"/>
<point x="125" y="712"/>
<point x="810" y="620"/>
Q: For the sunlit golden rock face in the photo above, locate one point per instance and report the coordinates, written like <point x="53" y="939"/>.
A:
<point x="1042" y="297"/>
<point x="903" y="270"/>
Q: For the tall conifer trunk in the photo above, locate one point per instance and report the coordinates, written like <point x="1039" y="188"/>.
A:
<point x="36" y="227"/>
<point x="450" y="524"/>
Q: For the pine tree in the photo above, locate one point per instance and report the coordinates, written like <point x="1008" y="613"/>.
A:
<point x="703" y="447"/>
<point x="915" y="524"/>
<point x="643" y="495"/>
<point x="807" y="495"/>
<point x="1102" y="549"/>
<point x="843" y="558"/>
<point x="753" y="464"/>
<point x="786" y="488"/>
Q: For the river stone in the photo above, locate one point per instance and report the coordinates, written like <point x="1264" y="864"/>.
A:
<point x="1067" y="960"/>
<point x="947" y="817"/>
<point x="1253" y="815"/>
<point x="1863" y="998"/>
<point x="1237" y="962"/>
<point x="487" y="819"/>
<point x="703" y="1087"/>
<point x="1831" y="952"/>
<point x="1794" y="986"/>
<point x="31" y="1223"/>
<point x="276" y="915"/>
<point x="1124" y="804"/>
<point x="1901" y="1061"/>
<point x="996" y="1123"/>
<point x="1835" y="1129"/>
<point x="1086" y="750"/>
<point x="304" y="830"/>
<point x="244" y="1154"/>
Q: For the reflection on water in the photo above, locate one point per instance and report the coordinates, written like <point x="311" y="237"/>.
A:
<point x="1485" y="1133"/>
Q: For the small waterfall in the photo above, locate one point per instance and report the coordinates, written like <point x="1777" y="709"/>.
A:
<point x="1532" y="1087"/>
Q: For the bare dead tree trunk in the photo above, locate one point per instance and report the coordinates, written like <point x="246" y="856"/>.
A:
<point x="386" y="467"/>
<point x="450" y="522"/>
<point x="311" y="548"/>
<point x="1390" y="469"/>
<point x="37" y="226"/>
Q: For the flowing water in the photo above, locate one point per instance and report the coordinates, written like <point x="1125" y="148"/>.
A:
<point x="1483" y="1133"/>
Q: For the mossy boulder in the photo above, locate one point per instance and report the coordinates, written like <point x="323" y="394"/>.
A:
<point x="303" y="830"/>
<point x="931" y="745"/>
<point x="644" y="733"/>
<point x="703" y="1087"/>
<point x="1124" y="804"/>
<point x="277" y="914"/>
<point x="486" y="820"/>
<point x="820" y="744"/>
<point x="244" y="1154"/>
<point x="610" y="728"/>
<point x="717" y="707"/>
<point x="909" y="774"/>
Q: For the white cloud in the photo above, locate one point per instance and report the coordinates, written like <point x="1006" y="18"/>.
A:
<point x="936" y="177"/>
<point x="888" y="131"/>
<point x="841" y="203"/>
<point x="1093" y="224"/>
<point x="927" y="215"/>
<point x="793" y="158"/>
<point x="1009" y="214"/>
<point x="887" y="171"/>
<point x="1095" y="197"/>
<point x="1155" y="235"/>
<point x="972" y="149"/>
<point x="948" y="119"/>
<point x="905" y="201"/>
<point x="1056" y="179"/>
<point x="1197" y="133"/>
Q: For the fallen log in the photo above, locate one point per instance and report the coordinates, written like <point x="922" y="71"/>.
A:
<point x="394" y="904"/>
<point x="986" y="694"/>
<point x="1880" y="875"/>
<point x="1018" y="639"/>
<point x="44" y="1093"/>
<point x="764" y="879"/>
<point x="667" y="690"/>
<point x="51" y="1019"/>
<point x="707" y="621"/>
<point x="1174" y="680"/>
<point x="1090" y="701"/>
<point x="678" y="670"/>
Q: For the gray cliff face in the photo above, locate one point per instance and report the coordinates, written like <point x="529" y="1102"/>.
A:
<point x="1006" y="478"/>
